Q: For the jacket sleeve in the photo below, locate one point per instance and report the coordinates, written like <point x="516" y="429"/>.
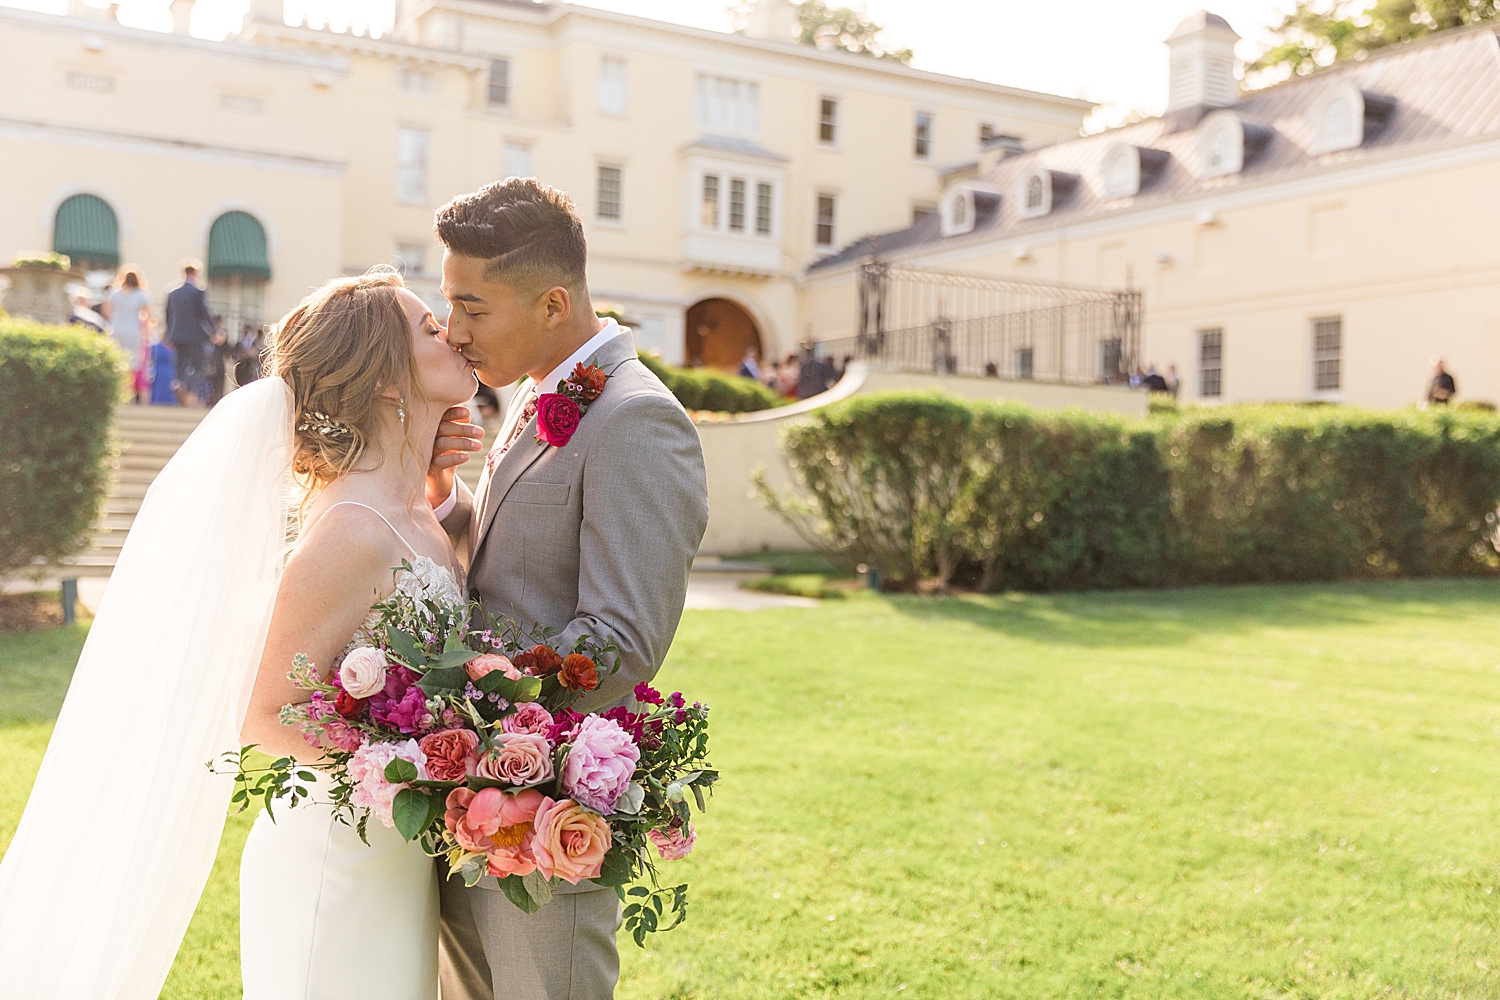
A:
<point x="645" y="508"/>
<point x="456" y="524"/>
<point x="205" y="316"/>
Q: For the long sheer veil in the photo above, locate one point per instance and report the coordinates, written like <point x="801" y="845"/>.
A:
<point x="120" y="832"/>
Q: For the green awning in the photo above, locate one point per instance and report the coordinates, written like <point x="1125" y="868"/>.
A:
<point x="85" y="228"/>
<point x="237" y="247"/>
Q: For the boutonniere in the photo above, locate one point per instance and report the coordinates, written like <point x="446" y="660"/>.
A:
<point x="558" y="413"/>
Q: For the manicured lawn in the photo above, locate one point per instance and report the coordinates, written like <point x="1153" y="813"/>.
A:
<point x="1253" y="792"/>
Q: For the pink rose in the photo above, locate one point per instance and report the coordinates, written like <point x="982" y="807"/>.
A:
<point x="518" y="759"/>
<point x="451" y="754"/>
<point x="474" y="817"/>
<point x="557" y="418"/>
<point x="511" y="850"/>
<point x="600" y="763"/>
<point x="529" y="717"/>
<point x="570" y="842"/>
<point x="672" y="845"/>
<point x="489" y="663"/>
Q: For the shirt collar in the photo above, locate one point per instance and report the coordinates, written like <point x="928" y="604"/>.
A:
<point x="588" y="350"/>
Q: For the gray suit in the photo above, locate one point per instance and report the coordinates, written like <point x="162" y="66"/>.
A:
<point x="595" y="538"/>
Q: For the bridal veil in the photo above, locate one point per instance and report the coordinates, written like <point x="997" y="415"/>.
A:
<point x="119" y="835"/>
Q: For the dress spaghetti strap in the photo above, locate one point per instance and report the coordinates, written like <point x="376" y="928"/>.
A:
<point x="388" y="524"/>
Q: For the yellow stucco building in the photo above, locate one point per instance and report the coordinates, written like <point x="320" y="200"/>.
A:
<point x="711" y="168"/>
<point x="1322" y="239"/>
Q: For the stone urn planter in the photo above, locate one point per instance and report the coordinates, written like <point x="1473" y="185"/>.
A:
<point x="39" y="293"/>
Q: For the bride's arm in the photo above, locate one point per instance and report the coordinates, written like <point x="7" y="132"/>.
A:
<point x="340" y="569"/>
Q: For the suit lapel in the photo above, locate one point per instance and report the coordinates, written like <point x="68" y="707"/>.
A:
<point x="522" y="454"/>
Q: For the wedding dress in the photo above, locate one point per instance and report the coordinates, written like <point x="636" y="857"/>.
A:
<point x="323" y="916"/>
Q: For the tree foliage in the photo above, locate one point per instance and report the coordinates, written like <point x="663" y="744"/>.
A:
<point x="846" y="29"/>
<point x="1318" y="33"/>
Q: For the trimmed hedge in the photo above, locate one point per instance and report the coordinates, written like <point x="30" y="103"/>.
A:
<point x="58" y="390"/>
<point x="1004" y="497"/>
<point x="703" y="389"/>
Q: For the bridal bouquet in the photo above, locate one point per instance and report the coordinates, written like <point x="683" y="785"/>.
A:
<point x="465" y="740"/>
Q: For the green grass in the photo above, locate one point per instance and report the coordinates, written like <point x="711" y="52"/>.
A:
<point x="1268" y="792"/>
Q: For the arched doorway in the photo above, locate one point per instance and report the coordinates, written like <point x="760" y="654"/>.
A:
<point x="718" y="334"/>
<point x="239" y="267"/>
<point x="86" y="229"/>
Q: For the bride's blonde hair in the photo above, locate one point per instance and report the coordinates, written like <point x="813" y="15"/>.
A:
<point x="339" y="351"/>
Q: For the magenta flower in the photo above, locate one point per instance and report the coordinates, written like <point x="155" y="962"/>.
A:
<point x="647" y="695"/>
<point x="600" y="764"/>
<point x="409" y="714"/>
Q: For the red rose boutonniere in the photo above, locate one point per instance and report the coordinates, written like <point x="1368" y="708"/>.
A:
<point x="558" y="413"/>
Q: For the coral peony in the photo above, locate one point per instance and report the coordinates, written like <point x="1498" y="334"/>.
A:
<point x="518" y="758"/>
<point x="367" y="773"/>
<point x="600" y="763"/>
<point x="511" y="851"/>
<point x="672" y="845"/>
<point x="578" y="673"/>
<point x="529" y="717"/>
<point x="490" y="662"/>
<point x="362" y="673"/>
<point x="570" y="842"/>
<point x="473" y="817"/>
<point x="451" y="754"/>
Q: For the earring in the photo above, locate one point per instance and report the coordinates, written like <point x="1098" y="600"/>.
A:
<point x="401" y="409"/>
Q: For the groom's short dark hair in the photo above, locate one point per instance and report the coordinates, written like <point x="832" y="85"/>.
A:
<point x="529" y="233"/>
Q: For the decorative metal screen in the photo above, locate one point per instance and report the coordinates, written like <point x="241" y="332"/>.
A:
<point x="968" y="324"/>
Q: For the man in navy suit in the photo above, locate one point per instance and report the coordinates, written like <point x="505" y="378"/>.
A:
<point x="190" y="328"/>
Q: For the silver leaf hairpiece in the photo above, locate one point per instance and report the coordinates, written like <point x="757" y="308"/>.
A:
<point x="324" y="425"/>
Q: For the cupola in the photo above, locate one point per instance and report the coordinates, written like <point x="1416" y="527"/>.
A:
<point x="1201" y="67"/>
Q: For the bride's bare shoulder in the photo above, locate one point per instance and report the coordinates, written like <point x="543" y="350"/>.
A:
<point x="345" y="541"/>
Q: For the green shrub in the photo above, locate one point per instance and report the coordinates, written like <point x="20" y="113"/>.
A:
<point x="58" y="390"/>
<point x="924" y="486"/>
<point x="703" y="389"/>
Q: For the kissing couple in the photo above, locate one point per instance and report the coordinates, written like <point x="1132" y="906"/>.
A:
<point x="300" y="501"/>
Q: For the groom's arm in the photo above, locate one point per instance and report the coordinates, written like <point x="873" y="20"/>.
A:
<point x="645" y="507"/>
<point x="449" y="498"/>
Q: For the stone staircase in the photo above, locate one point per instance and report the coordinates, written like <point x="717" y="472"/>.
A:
<point x="148" y="436"/>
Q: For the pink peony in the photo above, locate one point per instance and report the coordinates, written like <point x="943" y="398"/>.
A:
<point x="529" y="717"/>
<point x="367" y="772"/>
<point x="451" y="754"/>
<point x="600" y="763"/>
<point x="672" y="845"/>
<point x="570" y="842"/>
<point x="489" y="663"/>
<point x="557" y="418"/>
<point x="511" y="852"/>
<point x="408" y="713"/>
<point x="518" y="758"/>
<point x="473" y="817"/>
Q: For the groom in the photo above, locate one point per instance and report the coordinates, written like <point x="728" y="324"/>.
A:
<point x="594" y="537"/>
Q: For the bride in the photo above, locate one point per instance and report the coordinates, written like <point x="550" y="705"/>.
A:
<point x="189" y="652"/>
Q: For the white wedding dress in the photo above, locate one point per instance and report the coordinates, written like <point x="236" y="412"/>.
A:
<point x="323" y="916"/>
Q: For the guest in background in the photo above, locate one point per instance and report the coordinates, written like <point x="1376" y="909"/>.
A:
<point x="163" y="375"/>
<point x="1442" y="388"/>
<point x="786" y="377"/>
<point x="129" y="313"/>
<point x="1153" y="382"/>
<point x="991" y="370"/>
<point x="220" y="356"/>
<point x="750" y="364"/>
<point x="1173" y="382"/>
<point x="190" y="330"/>
<point x="84" y="314"/>
<point x="252" y="345"/>
<point x="814" y="375"/>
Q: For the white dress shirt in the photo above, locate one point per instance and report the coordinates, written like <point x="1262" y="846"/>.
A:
<point x="523" y="395"/>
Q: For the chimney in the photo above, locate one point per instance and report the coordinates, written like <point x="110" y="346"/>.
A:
<point x="182" y="16"/>
<point x="773" y="20"/>
<point x="1202" y="63"/>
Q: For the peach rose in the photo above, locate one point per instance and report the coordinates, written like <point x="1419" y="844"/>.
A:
<point x="490" y="662"/>
<point x="518" y="758"/>
<point x="570" y="841"/>
<point x="451" y="754"/>
<point x="512" y="850"/>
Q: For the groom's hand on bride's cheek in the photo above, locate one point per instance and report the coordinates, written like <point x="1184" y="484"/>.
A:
<point x="456" y="438"/>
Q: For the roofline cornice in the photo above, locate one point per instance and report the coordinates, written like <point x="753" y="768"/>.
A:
<point x="387" y="48"/>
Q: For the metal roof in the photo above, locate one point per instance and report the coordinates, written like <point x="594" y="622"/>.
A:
<point x="1444" y="88"/>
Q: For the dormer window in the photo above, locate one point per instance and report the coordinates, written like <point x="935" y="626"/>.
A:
<point x="1126" y="168"/>
<point x="1225" y="142"/>
<point x="1039" y="188"/>
<point x="1342" y="115"/>
<point x="1036" y="195"/>
<point x="958" y="212"/>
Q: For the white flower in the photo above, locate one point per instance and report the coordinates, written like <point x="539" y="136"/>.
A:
<point x="363" y="672"/>
<point x="367" y="772"/>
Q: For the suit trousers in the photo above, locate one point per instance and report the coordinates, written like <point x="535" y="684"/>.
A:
<point x="564" y="951"/>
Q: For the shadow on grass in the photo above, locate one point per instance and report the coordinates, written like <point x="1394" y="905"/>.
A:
<point x="1174" y="617"/>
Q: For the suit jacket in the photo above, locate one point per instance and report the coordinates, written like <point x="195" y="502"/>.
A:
<point x="596" y="537"/>
<point x="188" y="318"/>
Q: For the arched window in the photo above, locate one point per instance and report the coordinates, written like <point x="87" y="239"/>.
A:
<point x="1036" y="193"/>
<point x="960" y="209"/>
<point x="85" y="228"/>
<point x="239" y="268"/>
<point x="1337" y="118"/>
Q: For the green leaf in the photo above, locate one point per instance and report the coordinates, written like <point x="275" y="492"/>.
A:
<point x="617" y="868"/>
<point x="539" y="887"/>
<point x="515" y="891"/>
<point x="456" y="642"/>
<point x="443" y="679"/>
<point x="411" y="811"/>
<point x="400" y="771"/>
<point x="404" y="648"/>
<point x="528" y="689"/>
<point x="495" y="682"/>
<point x="453" y="657"/>
<point x="639" y="890"/>
<point x="698" y="796"/>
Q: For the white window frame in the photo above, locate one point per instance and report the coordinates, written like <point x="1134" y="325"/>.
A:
<point x="1323" y="356"/>
<point x="1231" y="157"/>
<point x="510" y="83"/>
<point x="1326" y="141"/>
<point x="764" y="187"/>
<point x="957" y="208"/>
<point x="833" y="222"/>
<point x="1038" y="177"/>
<point x="407" y="252"/>
<point x="617" y="221"/>
<point x="612" y="97"/>
<point x="725" y="175"/>
<point x="1199" y="338"/>
<point x="931" y="139"/>
<point x="415" y="82"/>
<point x="715" y="181"/>
<point x="712" y="118"/>
<point x="832" y="121"/>
<point x="526" y="149"/>
<point x="1121" y="171"/>
<point x="407" y="192"/>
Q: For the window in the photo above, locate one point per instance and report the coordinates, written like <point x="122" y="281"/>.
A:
<point x="412" y="148"/>
<point x="1328" y="338"/>
<point x="725" y="106"/>
<point x="1036" y="193"/>
<point x="960" y="210"/>
<point x="416" y="82"/>
<point x="517" y="160"/>
<point x="762" y="209"/>
<point x="710" y="215"/>
<point x="1210" y="363"/>
<point x="611" y="194"/>
<point x="1337" y="117"/>
<point x="828" y="121"/>
<point x="737" y="205"/>
<point x="1025" y="362"/>
<point x="824" y="233"/>
<point x="411" y="258"/>
<point x="612" y="86"/>
<point x="922" y="147"/>
<point x="499" y="83"/>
